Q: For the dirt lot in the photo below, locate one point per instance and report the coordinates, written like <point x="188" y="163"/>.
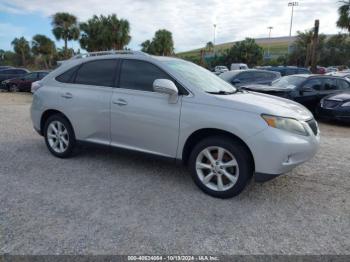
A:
<point x="104" y="202"/>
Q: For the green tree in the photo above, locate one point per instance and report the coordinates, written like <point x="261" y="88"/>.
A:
<point x="301" y="48"/>
<point x="65" y="27"/>
<point x="344" y="15"/>
<point x="21" y="48"/>
<point x="161" y="44"/>
<point x="336" y="50"/>
<point x="104" y="33"/>
<point x="44" y="47"/>
<point x="246" y="51"/>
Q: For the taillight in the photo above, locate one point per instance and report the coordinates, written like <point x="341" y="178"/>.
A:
<point x="35" y="86"/>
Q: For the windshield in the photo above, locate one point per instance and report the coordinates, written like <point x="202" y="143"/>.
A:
<point x="288" y="81"/>
<point x="199" y="77"/>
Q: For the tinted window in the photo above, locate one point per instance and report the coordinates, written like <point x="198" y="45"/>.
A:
<point x="315" y="84"/>
<point x="342" y="84"/>
<point x="244" y="77"/>
<point x="330" y="84"/>
<point x="67" y="77"/>
<point x="140" y="75"/>
<point x="42" y="74"/>
<point x="30" y="76"/>
<point x="98" y="73"/>
<point x="264" y="75"/>
<point x="290" y="71"/>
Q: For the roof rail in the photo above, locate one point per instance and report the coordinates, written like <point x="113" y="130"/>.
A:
<point x="111" y="52"/>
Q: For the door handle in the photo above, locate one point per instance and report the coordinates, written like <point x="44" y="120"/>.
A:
<point x="120" y="102"/>
<point x="67" y="95"/>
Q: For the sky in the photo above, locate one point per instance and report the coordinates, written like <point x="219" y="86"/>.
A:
<point x="190" y="21"/>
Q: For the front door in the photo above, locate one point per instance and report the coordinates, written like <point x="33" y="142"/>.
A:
<point x="140" y="118"/>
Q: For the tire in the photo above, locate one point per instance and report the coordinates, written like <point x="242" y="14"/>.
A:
<point x="62" y="142"/>
<point x="13" y="88"/>
<point x="223" y="178"/>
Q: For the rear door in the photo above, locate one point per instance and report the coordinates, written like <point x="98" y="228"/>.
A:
<point x="86" y="98"/>
<point x="142" y="119"/>
<point x="26" y="81"/>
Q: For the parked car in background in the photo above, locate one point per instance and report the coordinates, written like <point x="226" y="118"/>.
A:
<point x="240" y="78"/>
<point x="239" y="66"/>
<point x="288" y="70"/>
<point x="12" y="73"/>
<point x="344" y="74"/>
<point x="331" y="69"/>
<point x="335" y="107"/>
<point x="321" y="70"/>
<point x="175" y="109"/>
<point x="23" y="83"/>
<point x="220" y="69"/>
<point x="5" y="67"/>
<point x="307" y="90"/>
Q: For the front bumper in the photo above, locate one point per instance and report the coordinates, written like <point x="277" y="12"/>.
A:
<point x="277" y="151"/>
<point x="338" y="113"/>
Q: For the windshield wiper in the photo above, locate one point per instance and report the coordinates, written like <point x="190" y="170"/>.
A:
<point x="221" y="92"/>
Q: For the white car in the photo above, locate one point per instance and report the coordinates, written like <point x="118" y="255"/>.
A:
<point x="173" y="108"/>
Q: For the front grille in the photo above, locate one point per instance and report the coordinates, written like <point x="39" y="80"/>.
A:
<point x="330" y="103"/>
<point x="313" y="125"/>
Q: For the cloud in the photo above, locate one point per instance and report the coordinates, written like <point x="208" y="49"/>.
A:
<point x="191" y="21"/>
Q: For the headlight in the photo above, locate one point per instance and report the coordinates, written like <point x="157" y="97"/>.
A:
<point x="346" y="104"/>
<point x="5" y="81"/>
<point x="287" y="124"/>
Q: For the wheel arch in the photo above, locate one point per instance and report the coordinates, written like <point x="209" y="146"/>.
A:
<point x="47" y="114"/>
<point x="201" y="134"/>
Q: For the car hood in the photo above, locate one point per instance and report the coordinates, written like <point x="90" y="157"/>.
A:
<point x="339" y="97"/>
<point x="264" y="104"/>
<point x="265" y="88"/>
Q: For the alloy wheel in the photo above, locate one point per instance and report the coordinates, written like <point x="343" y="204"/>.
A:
<point x="217" y="168"/>
<point x="57" y="136"/>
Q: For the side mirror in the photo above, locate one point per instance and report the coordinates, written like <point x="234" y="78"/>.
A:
<point x="306" y="89"/>
<point x="166" y="86"/>
<point x="236" y="81"/>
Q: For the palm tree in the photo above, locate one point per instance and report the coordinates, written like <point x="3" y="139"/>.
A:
<point x="44" y="47"/>
<point x="344" y="15"/>
<point x="21" y="47"/>
<point x="104" y="33"/>
<point x="65" y="27"/>
<point x="163" y="42"/>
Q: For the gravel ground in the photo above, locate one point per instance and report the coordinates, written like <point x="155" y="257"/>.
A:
<point x="107" y="202"/>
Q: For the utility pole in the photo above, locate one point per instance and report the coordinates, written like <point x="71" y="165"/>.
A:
<point x="214" y="38"/>
<point x="292" y="4"/>
<point x="268" y="46"/>
<point x="314" y="47"/>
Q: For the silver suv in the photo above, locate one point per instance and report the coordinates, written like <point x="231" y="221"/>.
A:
<point x="173" y="108"/>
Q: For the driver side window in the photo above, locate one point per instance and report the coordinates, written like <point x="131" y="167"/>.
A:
<point x="315" y="84"/>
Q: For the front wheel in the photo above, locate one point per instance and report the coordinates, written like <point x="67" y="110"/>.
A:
<point x="220" y="166"/>
<point x="59" y="136"/>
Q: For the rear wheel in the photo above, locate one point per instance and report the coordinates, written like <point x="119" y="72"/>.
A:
<point x="220" y="166"/>
<point x="59" y="136"/>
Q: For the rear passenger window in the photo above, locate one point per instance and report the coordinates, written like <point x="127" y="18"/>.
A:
<point x="67" y="77"/>
<point x="97" y="73"/>
<point x="330" y="84"/>
<point x="140" y="75"/>
<point x="342" y="84"/>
